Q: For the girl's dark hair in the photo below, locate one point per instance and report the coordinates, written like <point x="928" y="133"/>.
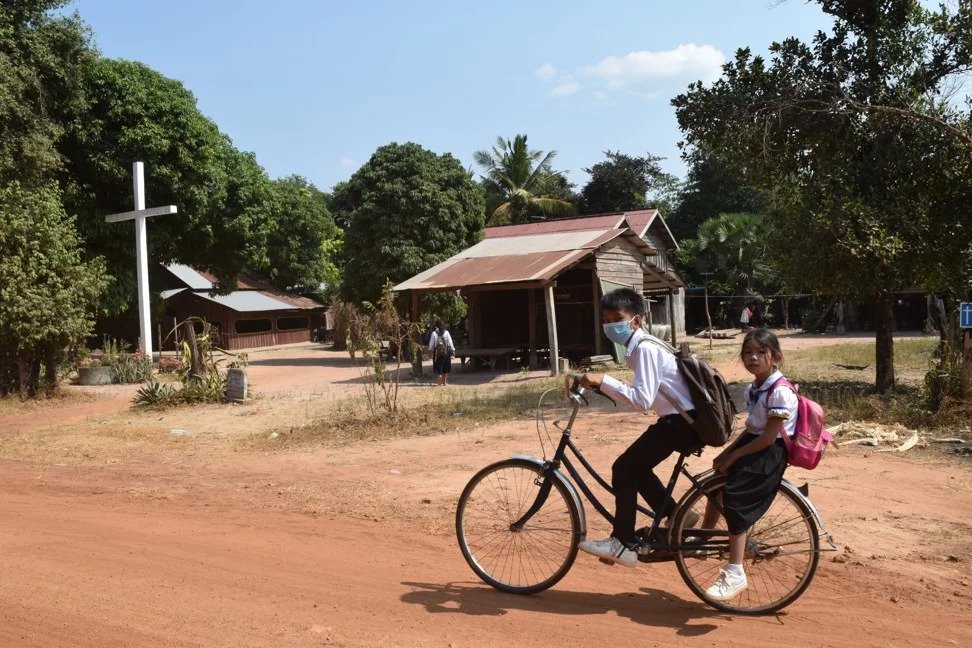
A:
<point x="624" y="299"/>
<point x="439" y="325"/>
<point x="767" y="340"/>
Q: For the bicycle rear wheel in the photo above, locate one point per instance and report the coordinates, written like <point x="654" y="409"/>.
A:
<point x="782" y="551"/>
<point x="522" y="561"/>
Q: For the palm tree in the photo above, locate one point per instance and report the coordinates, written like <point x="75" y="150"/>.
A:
<point x="512" y="174"/>
<point x="732" y="247"/>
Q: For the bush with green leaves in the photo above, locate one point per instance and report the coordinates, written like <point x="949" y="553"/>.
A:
<point x="155" y="394"/>
<point x="48" y="293"/>
<point x="131" y="368"/>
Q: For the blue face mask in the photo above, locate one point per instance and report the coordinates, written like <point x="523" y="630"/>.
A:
<point x="618" y="332"/>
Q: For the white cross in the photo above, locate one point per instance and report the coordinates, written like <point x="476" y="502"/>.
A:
<point x="141" y="251"/>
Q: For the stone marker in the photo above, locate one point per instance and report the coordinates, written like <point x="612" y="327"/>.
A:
<point x="236" y="384"/>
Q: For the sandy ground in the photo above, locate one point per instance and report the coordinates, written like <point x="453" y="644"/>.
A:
<point x="115" y="532"/>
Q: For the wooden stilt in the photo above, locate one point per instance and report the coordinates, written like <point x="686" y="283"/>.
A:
<point x="548" y="294"/>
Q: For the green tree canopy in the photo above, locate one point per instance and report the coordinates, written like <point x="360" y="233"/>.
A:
<point x="620" y="183"/>
<point x="514" y="179"/>
<point x="733" y="248"/>
<point x="868" y="160"/>
<point x="225" y="198"/>
<point x="407" y="209"/>
<point x="302" y="246"/>
<point x="711" y="188"/>
<point x="42" y="61"/>
<point x="48" y="294"/>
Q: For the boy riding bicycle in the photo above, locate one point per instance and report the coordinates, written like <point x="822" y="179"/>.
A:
<point x="659" y="386"/>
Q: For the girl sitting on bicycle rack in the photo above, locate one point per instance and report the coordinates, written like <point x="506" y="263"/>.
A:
<point x="657" y="381"/>
<point x="754" y="464"/>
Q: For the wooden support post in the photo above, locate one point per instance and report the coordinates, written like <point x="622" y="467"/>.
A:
<point x="708" y="317"/>
<point x="671" y="314"/>
<point x="966" y="381"/>
<point x="595" y="290"/>
<point x="417" y="370"/>
<point x="532" y="319"/>
<point x="548" y="294"/>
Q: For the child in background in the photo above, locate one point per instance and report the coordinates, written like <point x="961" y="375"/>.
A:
<point x="755" y="463"/>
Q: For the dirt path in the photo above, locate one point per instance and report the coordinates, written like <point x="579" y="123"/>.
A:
<point x="353" y="546"/>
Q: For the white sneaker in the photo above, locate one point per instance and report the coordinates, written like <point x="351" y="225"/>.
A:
<point x="611" y="550"/>
<point x="728" y="587"/>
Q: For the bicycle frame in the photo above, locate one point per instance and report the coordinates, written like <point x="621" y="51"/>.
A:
<point x="561" y="458"/>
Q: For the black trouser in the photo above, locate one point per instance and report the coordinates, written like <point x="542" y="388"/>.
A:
<point x="632" y="473"/>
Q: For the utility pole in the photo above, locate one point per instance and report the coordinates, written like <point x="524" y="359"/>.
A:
<point x="708" y="317"/>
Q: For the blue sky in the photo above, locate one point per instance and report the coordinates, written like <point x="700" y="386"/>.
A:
<point x="314" y="87"/>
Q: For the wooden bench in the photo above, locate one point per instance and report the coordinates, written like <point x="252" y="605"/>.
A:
<point x="488" y="356"/>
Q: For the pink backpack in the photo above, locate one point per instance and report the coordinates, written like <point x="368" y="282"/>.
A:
<point x="810" y="439"/>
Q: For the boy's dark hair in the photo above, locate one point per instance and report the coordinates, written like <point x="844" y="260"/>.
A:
<point x="624" y="299"/>
<point x="766" y="339"/>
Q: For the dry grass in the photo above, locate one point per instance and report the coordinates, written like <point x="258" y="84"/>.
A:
<point x="446" y="410"/>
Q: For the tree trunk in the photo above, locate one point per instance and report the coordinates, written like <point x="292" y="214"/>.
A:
<point x="50" y="371"/>
<point x="23" y="375"/>
<point x="195" y="361"/>
<point x="884" y="348"/>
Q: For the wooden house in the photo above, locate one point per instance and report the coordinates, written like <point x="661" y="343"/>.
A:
<point x="253" y="315"/>
<point x="533" y="290"/>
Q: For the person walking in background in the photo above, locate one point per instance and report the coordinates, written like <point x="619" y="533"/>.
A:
<point x="442" y="350"/>
<point x="745" y="317"/>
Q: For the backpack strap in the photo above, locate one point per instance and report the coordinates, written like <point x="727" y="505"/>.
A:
<point x="782" y="382"/>
<point x="661" y="388"/>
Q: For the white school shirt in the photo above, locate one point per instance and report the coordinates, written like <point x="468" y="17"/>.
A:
<point x="653" y="366"/>
<point x="782" y="404"/>
<point x="435" y="340"/>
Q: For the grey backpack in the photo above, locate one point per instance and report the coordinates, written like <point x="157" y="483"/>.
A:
<point x="715" y="412"/>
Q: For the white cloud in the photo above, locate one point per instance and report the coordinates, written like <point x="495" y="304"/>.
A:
<point x="645" y="71"/>
<point x="546" y="72"/>
<point x="348" y="163"/>
<point x="566" y="89"/>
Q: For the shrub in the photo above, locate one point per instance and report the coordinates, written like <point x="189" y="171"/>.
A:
<point x="155" y="394"/>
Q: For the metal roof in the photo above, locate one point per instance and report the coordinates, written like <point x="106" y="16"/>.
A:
<point x="644" y="219"/>
<point x="528" y="258"/>
<point x="600" y="222"/>
<point x="190" y="276"/>
<point x="639" y="220"/>
<point x="246" y="301"/>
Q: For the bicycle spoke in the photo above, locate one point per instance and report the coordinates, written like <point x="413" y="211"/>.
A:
<point x="526" y="559"/>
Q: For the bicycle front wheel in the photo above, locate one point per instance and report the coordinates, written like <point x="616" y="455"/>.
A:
<point x="525" y="560"/>
<point x="782" y="551"/>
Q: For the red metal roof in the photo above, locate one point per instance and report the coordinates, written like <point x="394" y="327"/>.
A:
<point x="527" y="258"/>
<point x="600" y="221"/>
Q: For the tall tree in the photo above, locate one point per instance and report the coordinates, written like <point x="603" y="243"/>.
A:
<point x="42" y="61"/>
<point x="620" y="183"/>
<point x="515" y="175"/>
<point x="867" y="157"/>
<point x="733" y="248"/>
<point x="224" y="197"/>
<point x="48" y="294"/>
<point x="407" y="209"/>
<point x="711" y="188"/>
<point x="302" y="245"/>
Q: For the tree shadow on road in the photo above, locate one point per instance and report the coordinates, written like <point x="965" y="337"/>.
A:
<point x="650" y="607"/>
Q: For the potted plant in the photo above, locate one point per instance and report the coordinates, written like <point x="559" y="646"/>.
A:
<point x="91" y="371"/>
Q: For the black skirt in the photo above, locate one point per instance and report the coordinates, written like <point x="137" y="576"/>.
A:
<point x="442" y="364"/>
<point x="752" y="484"/>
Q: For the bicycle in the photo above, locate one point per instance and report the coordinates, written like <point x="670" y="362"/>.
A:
<point x="519" y="522"/>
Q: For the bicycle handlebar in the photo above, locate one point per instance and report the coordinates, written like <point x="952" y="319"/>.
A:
<point x="576" y="393"/>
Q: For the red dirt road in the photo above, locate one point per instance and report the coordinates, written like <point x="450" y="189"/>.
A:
<point x="353" y="546"/>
